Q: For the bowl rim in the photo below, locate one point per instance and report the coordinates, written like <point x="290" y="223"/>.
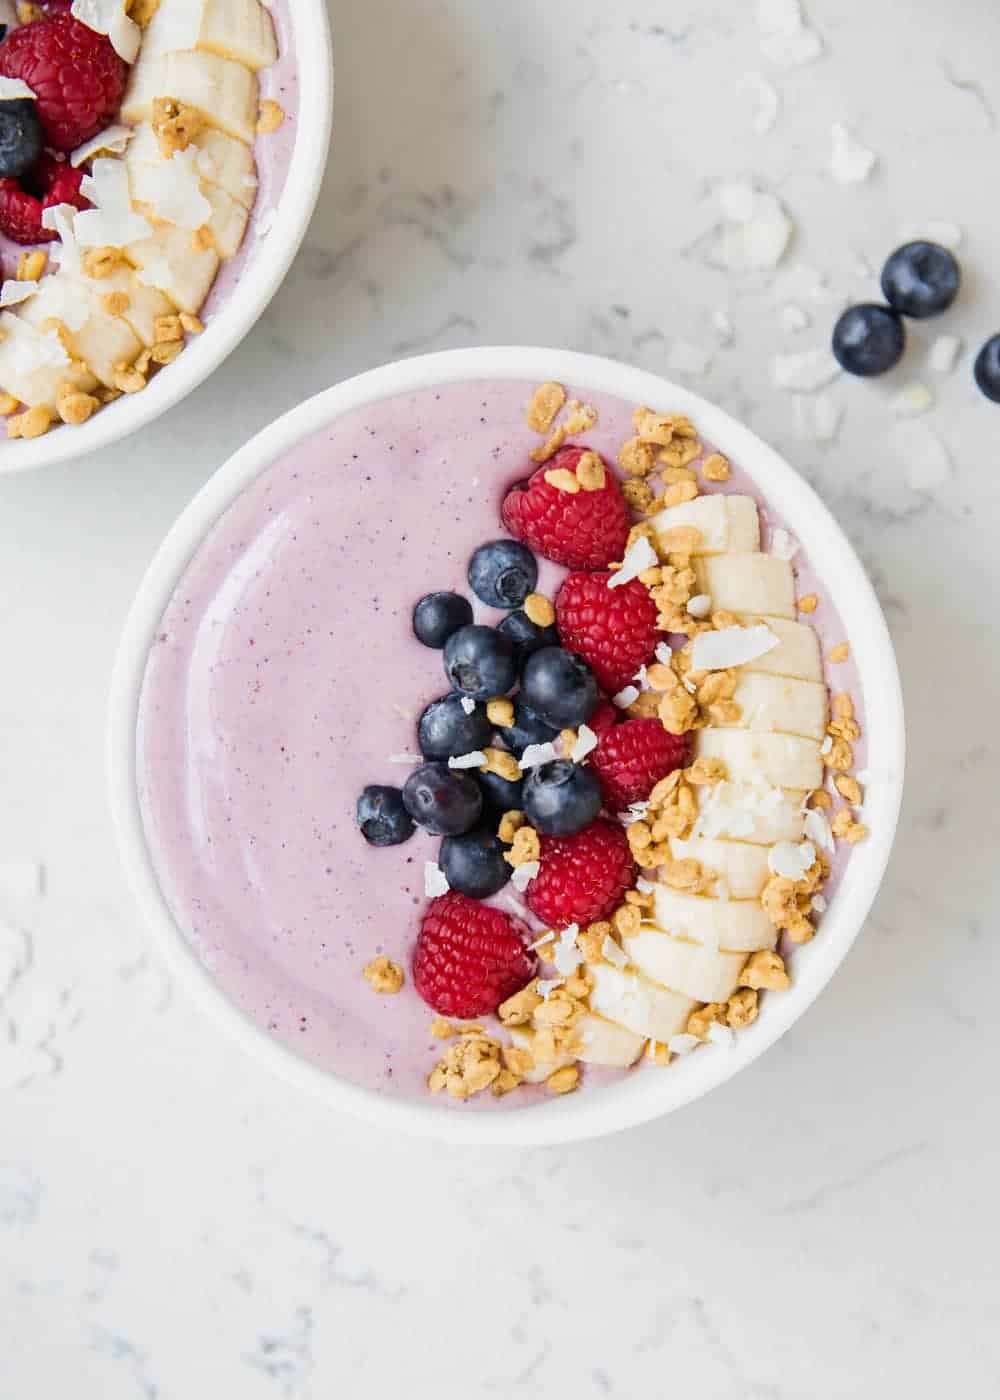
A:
<point x="259" y="280"/>
<point x="637" y="1098"/>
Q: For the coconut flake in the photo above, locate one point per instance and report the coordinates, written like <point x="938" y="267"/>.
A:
<point x="566" y="955"/>
<point x="614" y="953"/>
<point x="790" y="860"/>
<point x="537" y="754"/>
<point x="639" y="557"/>
<point x="767" y="103"/>
<point x="664" y="653"/>
<point x="733" y="646"/>
<point x="475" y="759"/>
<point x="806" y="372"/>
<point x="719" y="1034"/>
<point x="850" y="162"/>
<point x="172" y="189"/>
<point x="722" y="324"/>
<point x="517" y="906"/>
<point x="783" y="545"/>
<point x="785" y="38"/>
<point x="944" y="354"/>
<point x="13" y="292"/>
<point x="923" y="454"/>
<point x="793" y="318"/>
<point x="756" y="228"/>
<point x="817" y="417"/>
<point x="157" y="273"/>
<point x="14" y="89"/>
<point x="109" y="17"/>
<point x="113" y="139"/>
<point x="645" y="886"/>
<point x="406" y="758"/>
<point x="113" y="222"/>
<point x="682" y="1044"/>
<point x="911" y="401"/>
<point x="540" y="943"/>
<point x="626" y="697"/>
<point x="524" y="874"/>
<point x="469" y="706"/>
<point x="826" y="745"/>
<point x="698" y="606"/>
<point x="817" y="828"/>
<point x="586" y="742"/>
<point x="435" y="882"/>
<point x="864" y="775"/>
<point x="685" y="358"/>
<point x="545" y="986"/>
<point x="819" y="904"/>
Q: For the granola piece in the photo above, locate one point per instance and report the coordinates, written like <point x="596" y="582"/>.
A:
<point x="383" y="976"/>
<point x="820" y="799"/>
<point x="270" y="116"/>
<point x="166" y="352"/>
<point x="564" y="1081"/>
<point x="682" y="874"/>
<point x="808" y="603"/>
<point x="517" y="1059"/>
<point x="467" y="1067"/>
<point x="590" y="472"/>
<point x="765" y="970"/>
<point x="562" y="479"/>
<point x="504" y="764"/>
<point x="590" y="941"/>
<point x="639" y="497"/>
<point x="8" y="404"/>
<point x="72" y="405"/>
<point x="191" y="325"/>
<point x="840" y="652"/>
<point x="849" y="789"/>
<point x="646" y="705"/>
<point x="679" y="493"/>
<point x="636" y="458"/>
<point x="678" y="711"/>
<point x="175" y="125"/>
<point x="525" y="848"/>
<point x="130" y="379"/>
<point x="845" y="828"/>
<point x="510" y="824"/>
<point x="33" y="423"/>
<point x="550" y="446"/>
<point x="742" y="1008"/>
<point x="500" y="711"/>
<point x="519" y="1009"/>
<point x="627" y="920"/>
<point x="543" y="410"/>
<point x="30" y="266"/>
<point x="99" y="263"/>
<point x="716" y="468"/>
<point x="442" y="1029"/>
<point x="581" y="417"/>
<point x="539" y="610"/>
<point x="699" y="1021"/>
<point x="706" y="771"/>
<point x="839" y="756"/>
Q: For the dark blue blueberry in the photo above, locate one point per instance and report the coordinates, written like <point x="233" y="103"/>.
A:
<point x="22" y="138"/>
<point x="474" y="864"/>
<point x="442" y="800"/>
<point x="445" y="730"/>
<point x="499" y="795"/>
<point x="561" y="798"/>
<point x="987" y="369"/>
<point x="526" y="729"/>
<point x="560" y="687"/>
<point x="479" y="662"/>
<point x="503" y="573"/>
<point x="438" y="615"/>
<point x="383" y="819"/>
<point x="868" y="339"/>
<point x="526" y="635"/>
<point x="921" y="280"/>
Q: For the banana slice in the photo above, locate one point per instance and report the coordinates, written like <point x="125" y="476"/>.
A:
<point x="102" y="342"/>
<point x="145" y="304"/>
<point x="597" y="1041"/>
<point x="241" y="30"/>
<point x="526" y="1039"/>
<point x="780" y="705"/>
<point x="33" y="364"/>
<point x="748" y="583"/>
<point x="728" y="524"/>
<point x="741" y="867"/>
<point x="227" y="222"/>
<point x="690" y="968"/>
<point x="736" y="925"/>
<point x="176" y="267"/>
<point x="221" y="160"/>
<point x="223" y="92"/>
<point x="754" y="812"/>
<point x="797" y="653"/>
<point x="777" y="760"/>
<point x="650" y="1011"/>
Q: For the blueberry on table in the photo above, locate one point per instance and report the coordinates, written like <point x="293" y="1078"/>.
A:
<point x="526" y="729"/>
<point x="559" y="687"/>
<point x="444" y="730"/>
<point x="987" y="369"/>
<point x="443" y="801"/>
<point x="438" y="615"/>
<point x="479" y="662"/>
<point x="474" y="864"/>
<point x="503" y="573"/>
<point x="868" y="339"/>
<point x="22" y="137"/>
<point x="561" y="798"/>
<point x="526" y="635"/>
<point x="921" y="280"/>
<point x="499" y="795"/>
<point x="382" y="817"/>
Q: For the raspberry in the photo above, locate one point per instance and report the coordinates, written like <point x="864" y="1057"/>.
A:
<point x="613" y="629"/>
<point x="583" y="531"/>
<point x="581" y="878"/>
<point x="75" y="74"/>
<point x="604" y="718"/>
<point x="632" y="758"/>
<point x="55" y="182"/>
<point x="469" y="957"/>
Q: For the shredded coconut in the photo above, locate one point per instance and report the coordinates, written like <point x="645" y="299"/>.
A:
<point x="537" y="754"/>
<point x="682" y="1044"/>
<point x="524" y="874"/>
<point x="850" y="162"/>
<point x="586" y="742"/>
<point x="807" y="371"/>
<point x="468" y="705"/>
<point x="626" y="697"/>
<point x="944" y="354"/>
<point x="733" y="646"/>
<point x="639" y="557"/>
<point x="434" y="880"/>
<point x="614" y="953"/>
<point x="113" y="138"/>
<point x="475" y="759"/>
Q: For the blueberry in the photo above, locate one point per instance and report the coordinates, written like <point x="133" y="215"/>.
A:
<point x="474" y="864"/>
<point x="526" y="635"/>
<point x="443" y="801"/>
<point x="987" y="369"/>
<point x="499" y="795"/>
<point x="383" y="819"/>
<point x="479" y="662"/>
<point x="438" y="615"/>
<point x="921" y="280"/>
<point x="559" y="687"/>
<point x="868" y="339"/>
<point x="561" y="798"/>
<point x="526" y="729"/>
<point x="21" y="137"/>
<point x="445" y="730"/>
<point x="503" y="573"/>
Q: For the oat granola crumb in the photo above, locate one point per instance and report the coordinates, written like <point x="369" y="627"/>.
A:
<point x="72" y="405"/>
<point x="849" y="789"/>
<point x="845" y="828"/>
<point x="627" y="920"/>
<point x="30" y="266"/>
<point x="500" y="711"/>
<point x="821" y="799"/>
<point x="539" y="610"/>
<point x="636" y="458"/>
<point x="99" y="263"/>
<point x="166" y="351"/>
<point x="840" y="652"/>
<point x="679" y="493"/>
<point x="562" y="479"/>
<point x="504" y="764"/>
<point x="639" y="496"/>
<point x="581" y="417"/>
<point x="442" y="1029"/>
<point x="129" y="379"/>
<point x="765" y="970"/>
<point x="564" y="1081"/>
<point x="191" y="325"/>
<point x="590" y="472"/>
<point x="33" y="423"/>
<point x="550" y="446"/>
<point x="510" y="824"/>
<point x="383" y="975"/>
<point x="519" y="1009"/>
<point x="469" y="1065"/>
<point x="270" y="117"/>
<point x="8" y="404"/>
<point x="543" y="410"/>
<point x="715" y="468"/>
<point x="699" y="1021"/>
<point x="175" y="125"/>
<point x="839" y="756"/>
<point x="808" y="603"/>
<point x="517" y="1059"/>
<point x="525" y="848"/>
<point x="741" y="1008"/>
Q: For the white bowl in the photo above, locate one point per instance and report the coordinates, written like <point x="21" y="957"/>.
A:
<point x="259" y="280"/>
<point x="642" y="1095"/>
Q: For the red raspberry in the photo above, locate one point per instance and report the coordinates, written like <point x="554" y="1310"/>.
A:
<point x="470" y="957"/>
<point x="604" y="719"/>
<point x="632" y="758"/>
<point x="581" y="878"/>
<point x="75" y="74"/>
<point x="585" y="531"/>
<point x="21" y="211"/>
<point x="613" y="629"/>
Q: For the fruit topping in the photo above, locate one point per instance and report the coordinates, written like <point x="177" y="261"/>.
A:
<point x="22" y="202"/>
<point x="613" y="629"/>
<point x="503" y="573"/>
<point x="438" y="615"/>
<point x="868" y="339"/>
<point x="75" y="74"/>
<point x="500" y="794"/>
<point x="474" y="864"/>
<point x="441" y="800"/>
<point x="631" y="758"/>
<point x="581" y="528"/>
<point x="559" y="687"/>
<point x="21" y="137"/>
<point x="581" y="878"/>
<point x="469" y="957"/>
<point x="526" y="635"/>
<point x="921" y="279"/>
<point x="383" y="819"/>
<point x="526" y="729"/>
<point x="987" y="369"/>
<point x="561" y="797"/>
<point x="448" y="727"/>
<point x="479" y="662"/>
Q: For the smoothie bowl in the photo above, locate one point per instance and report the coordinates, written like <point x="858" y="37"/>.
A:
<point x="159" y="164"/>
<point x="507" y="745"/>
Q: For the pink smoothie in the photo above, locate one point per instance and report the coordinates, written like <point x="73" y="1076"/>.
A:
<point x="284" y="678"/>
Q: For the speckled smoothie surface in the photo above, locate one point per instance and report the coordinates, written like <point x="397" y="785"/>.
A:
<point x="284" y="677"/>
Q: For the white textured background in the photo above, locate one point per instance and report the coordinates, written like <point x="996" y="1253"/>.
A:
<point x="172" y="1226"/>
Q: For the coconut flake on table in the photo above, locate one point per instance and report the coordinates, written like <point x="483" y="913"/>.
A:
<point x="475" y="759"/>
<point x="469" y="706"/>
<point x="817" y="829"/>
<point x="628" y="696"/>
<point x="698" y="606"/>
<point x="109" y="17"/>
<point x="807" y="371"/>
<point x="14" y="89"/>
<point x="791" y="859"/>
<point x="13" y="292"/>
<point x="756" y="228"/>
<point x="435" y="882"/>
<point x="113" y="222"/>
<point x="911" y="401"/>
<point x="586" y="742"/>
<point x="782" y="544"/>
<point x="733" y="646"/>
<point x="537" y="754"/>
<point x="793" y="318"/>
<point x="944" y="354"/>
<point x="935" y="231"/>
<point x="922" y="453"/>
<point x="114" y="139"/>
<point x="767" y="103"/>
<point x="639" y="557"/>
<point x="799" y="282"/>
<point x="722" y="324"/>
<point x="682" y="1044"/>
<point x="785" y="38"/>
<point x="524" y="874"/>
<point x="850" y="162"/>
<point x="685" y="358"/>
<point x="817" y="417"/>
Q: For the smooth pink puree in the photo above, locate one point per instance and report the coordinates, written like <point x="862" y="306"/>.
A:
<point x="284" y="677"/>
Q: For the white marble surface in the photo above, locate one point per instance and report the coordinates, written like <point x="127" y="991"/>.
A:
<point x="173" y="1226"/>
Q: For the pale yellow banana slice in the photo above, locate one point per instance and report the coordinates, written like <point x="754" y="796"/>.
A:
<point x="706" y="974"/>
<point x="223" y="92"/>
<point x="742" y="868"/>
<point x="241" y="30"/>
<point x="650" y="1011"/>
<point x="727" y="524"/>
<point x="737" y="925"/>
<point x="24" y="372"/>
<point x="227" y="222"/>
<point x="759" y="813"/>
<point x="102" y="342"/>
<point x="221" y="160"/>
<point x="797" y="653"/>
<point x="184" y="273"/>
<point x="780" y="705"/>
<point x="748" y="583"/>
<point x="778" y="760"/>
<point x="145" y="304"/>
